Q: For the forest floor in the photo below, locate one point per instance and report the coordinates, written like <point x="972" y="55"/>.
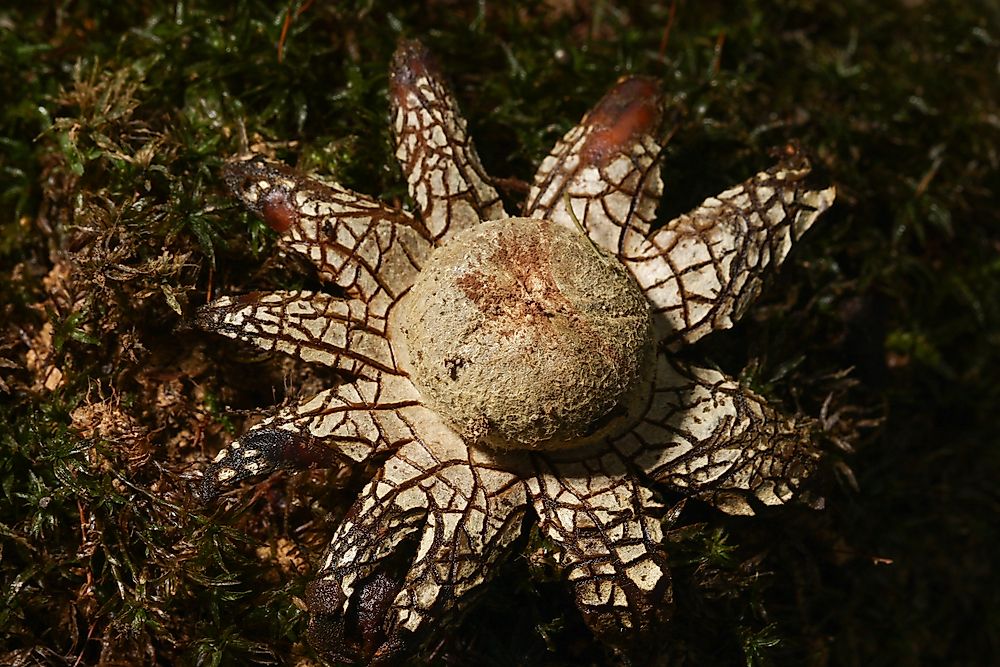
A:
<point x="883" y="325"/>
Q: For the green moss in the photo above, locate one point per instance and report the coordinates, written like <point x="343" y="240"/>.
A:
<point x="116" y="118"/>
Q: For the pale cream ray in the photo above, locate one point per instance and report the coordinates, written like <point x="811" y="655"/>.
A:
<point x="605" y="172"/>
<point x="705" y="435"/>
<point x="607" y="525"/>
<point x="348" y="425"/>
<point x="439" y="160"/>
<point x="460" y="507"/>
<point x="370" y="249"/>
<point x="315" y="327"/>
<point x="703" y="269"/>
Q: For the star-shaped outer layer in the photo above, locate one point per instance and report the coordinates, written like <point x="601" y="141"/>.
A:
<point x="457" y="506"/>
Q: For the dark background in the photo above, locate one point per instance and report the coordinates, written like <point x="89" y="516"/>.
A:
<point x="883" y="325"/>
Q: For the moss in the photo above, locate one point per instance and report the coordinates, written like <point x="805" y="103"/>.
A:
<point x="114" y="227"/>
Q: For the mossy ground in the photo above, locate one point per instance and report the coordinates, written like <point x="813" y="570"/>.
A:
<point x="886" y="320"/>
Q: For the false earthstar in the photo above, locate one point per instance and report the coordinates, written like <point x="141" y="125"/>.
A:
<point x="499" y="367"/>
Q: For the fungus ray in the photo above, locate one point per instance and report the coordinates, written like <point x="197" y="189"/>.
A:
<point x="460" y="508"/>
<point x="704" y="268"/>
<point x="371" y="250"/>
<point x="347" y="425"/>
<point x="607" y="525"/>
<point x="604" y="173"/>
<point x="311" y="326"/>
<point x="703" y="434"/>
<point x="445" y="178"/>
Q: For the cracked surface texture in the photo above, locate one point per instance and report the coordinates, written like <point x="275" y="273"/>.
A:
<point x="445" y="504"/>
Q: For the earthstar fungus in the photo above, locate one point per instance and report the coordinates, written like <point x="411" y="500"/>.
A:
<point x="498" y="363"/>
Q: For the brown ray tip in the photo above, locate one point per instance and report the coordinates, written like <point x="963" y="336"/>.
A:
<point x="631" y="109"/>
<point x="262" y="187"/>
<point x="411" y="62"/>
<point x="277" y="210"/>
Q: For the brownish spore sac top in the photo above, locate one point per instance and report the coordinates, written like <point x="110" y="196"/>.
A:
<point x="525" y="335"/>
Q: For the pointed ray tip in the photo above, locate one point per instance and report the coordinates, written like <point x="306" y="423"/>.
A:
<point x="411" y="61"/>
<point x="206" y="317"/>
<point x="209" y="489"/>
<point x="819" y="201"/>
<point x="792" y="158"/>
<point x="242" y="166"/>
<point x="631" y="109"/>
<point x="263" y="188"/>
<point x="209" y="316"/>
<point x="828" y="196"/>
<point x="243" y="176"/>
